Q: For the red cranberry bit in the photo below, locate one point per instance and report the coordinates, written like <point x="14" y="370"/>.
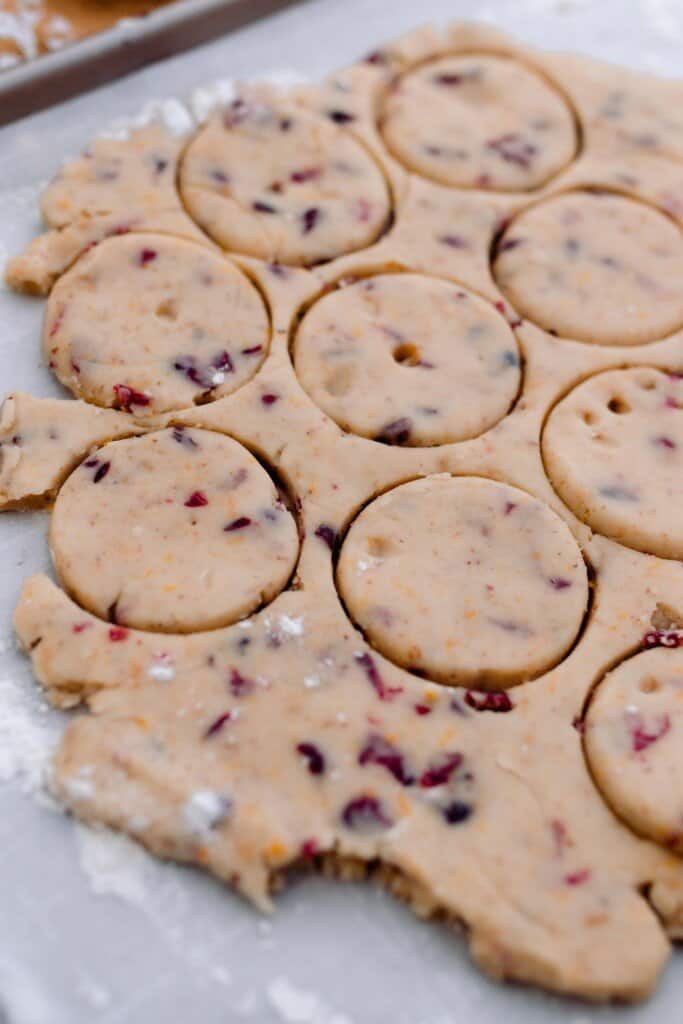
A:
<point x="160" y="164"/>
<point x="456" y="812"/>
<point x="260" y="207"/>
<point x="327" y="535"/>
<point x="640" y="738"/>
<point x="101" y="472"/>
<point x="384" y="692"/>
<point x="579" y="725"/>
<point x="514" y="321"/>
<point x="80" y="627"/>
<point x="514" y="149"/>
<point x="240" y="685"/>
<point x="378" y="750"/>
<point x="217" y="725"/>
<point x="439" y="773"/>
<point x="310" y="218"/>
<point x="238" y="524"/>
<point x="509" y="243"/>
<point x="117" y="634"/>
<point x="397" y="432"/>
<point x="453" y="241"/>
<point x="450" y="78"/>
<point x="509" y="507"/>
<point x="488" y="701"/>
<point x="278" y="270"/>
<point x="377" y="57"/>
<point x="560" y="837"/>
<point x="180" y="435"/>
<point x="219" y="176"/>
<point x="559" y="583"/>
<point x="269" y="399"/>
<point x="363" y="210"/>
<point x="147" y="256"/>
<point x="665" y="442"/>
<point x="309" y="848"/>
<point x="340" y="116"/>
<point x="128" y="397"/>
<point x="305" y="174"/>
<point x="57" y="322"/>
<point x="197" y="500"/>
<point x="315" y="758"/>
<point x="235" y="113"/>
<point x="663" y="638"/>
<point x="365" y="814"/>
<point x="423" y="709"/>
<point x="253" y="351"/>
<point x="577" y="877"/>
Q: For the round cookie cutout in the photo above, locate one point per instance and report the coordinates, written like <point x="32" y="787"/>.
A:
<point x="283" y="184"/>
<point x="633" y="744"/>
<point x="479" y="122"/>
<point x="179" y="530"/>
<point x="408" y="359"/>
<point x="594" y="267"/>
<point x="613" y="449"/>
<point x="149" y="323"/>
<point x="464" y="580"/>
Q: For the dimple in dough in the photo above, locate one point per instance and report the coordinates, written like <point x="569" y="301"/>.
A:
<point x="600" y="268"/>
<point x="148" y="323"/>
<point x="479" y="121"/>
<point x="632" y="741"/>
<point x="408" y="359"/>
<point x="277" y="183"/>
<point x="176" y="531"/>
<point x="613" y="448"/>
<point x="464" y="580"/>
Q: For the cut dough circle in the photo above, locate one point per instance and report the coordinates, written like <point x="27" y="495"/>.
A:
<point x="283" y="184"/>
<point x="176" y="531"/>
<point x="633" y="744"/>
<point x="613" y="449"/>
<point x="464" y="580"/>
<point x="408" y="359"/>
<point x="149" y="323"/>
<point x="594" y="267"/>
<point x="479" y="122"/>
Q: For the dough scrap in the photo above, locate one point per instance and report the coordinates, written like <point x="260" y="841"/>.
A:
<point x="613" y="450"/>
<point x="153" y="323"/>
<point x="408" y="359"/>
<point x="177" y="531"/>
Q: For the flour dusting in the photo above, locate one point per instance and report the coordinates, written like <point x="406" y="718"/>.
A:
<point x="113" y="864"/>
<point x="298" y="1006"/>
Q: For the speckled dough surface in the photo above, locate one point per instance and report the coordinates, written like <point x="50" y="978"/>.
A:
<point x="367" y="528"/>
<point x="408" y="359"/>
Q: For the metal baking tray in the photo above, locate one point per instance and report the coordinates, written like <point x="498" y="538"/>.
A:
<point x="131" y="44"/>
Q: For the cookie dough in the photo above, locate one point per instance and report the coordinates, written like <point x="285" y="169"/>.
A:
<point x="151" y="323"/>
<point x="407" y="359"/>
<point x="279" y="183"/>
<point x="613" y="449"/>
<point x="479" y="121"/>
<point x="466" y="581"/>
<point x="632" y="741"/>
<point x="176" y="531"/>
<point x="595" y="267"/>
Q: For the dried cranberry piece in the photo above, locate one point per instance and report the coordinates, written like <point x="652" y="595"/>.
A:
<point x="310" y="218"/>
<point x="577" y="877"/>
<point x="509" y="243"/>
<point x="314" y="756"/>
<point x="439" y="772"/>
<point x="238" y="524"/>
<point x="117" y="634"/>
<point x="240" y="685"/>
<point x="663" y="638"/>
<point x="341" y="116"/>
<point x="559" y="582"/>
<point x="456" y="812"/>
<point x="378" y="750"/>
<point x="309" y="848"/>
<point x="197" y="500"/>
<point x="397" y="432"/>
<point x="217" y="725"/>
<point x="327" y="535"/>
<point x="640" y="738"/>
<point x="270" y="399"/>
<point x="423" y="709"/>
<point x="235" y="113"/>
<point x="147" y="256"/>
<point x="384" y="692"/>
<point x="101" y="472"/>
<point x="454" y="241"/>
<point x="180" y="435"/>
<point x="488" y="700"/>
<point x="665" y="442"/>
<point x="252" y="351"/>
<point x="128" y="397"/>
<point x="305" y="174"/>
<point x="365" y="813"/>
<point x="260" y="207"/>
<point x="160" y="164"/>
<point x="80" y="627"/>
<point x="514" y="149"/>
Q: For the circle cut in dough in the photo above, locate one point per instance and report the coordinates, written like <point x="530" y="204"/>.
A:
<point x="149" y="323"/>
<point x="594" y="267"/>
<point x="283" y="184"/>
<point x="176" y="531"/>
<point x="464" y="580"/>
<point x="633" y="744"/>
<point x="613" y="449"/>
<point x="479" y="122"/>
<point x="408" y="359"/>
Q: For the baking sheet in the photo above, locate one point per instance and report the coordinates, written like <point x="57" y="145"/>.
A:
<point x="92" y="931"/>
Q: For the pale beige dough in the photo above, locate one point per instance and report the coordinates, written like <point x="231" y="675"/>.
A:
<point x="148" y="323"/>
<point x="282" y="184"/>
<point x="479" y="122"/>
<point x="633" y="744"/>
<point x="613" y="449"/>
<point x="176" y="531"/>
<point x="468" y="581"/>
<point x="596" y="267"/>
<point x="408" y="360"/>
